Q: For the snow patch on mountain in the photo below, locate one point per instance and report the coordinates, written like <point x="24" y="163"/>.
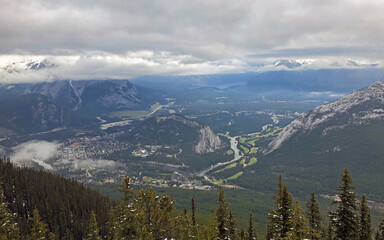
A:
<point x="28" y="65"/>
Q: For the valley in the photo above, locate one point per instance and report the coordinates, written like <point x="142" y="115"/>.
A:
<point x="179" y="143"/>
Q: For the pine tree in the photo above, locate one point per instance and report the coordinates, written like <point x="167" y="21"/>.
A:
<point x="8" y="227"/>
<point x="232" y="226"/>
<point x="153" y="217"/>
<point x="251" y="231"/>
<point x="242" y="234"/>
<point x="280" y="224"/>
<point x="270" y="231"/>
<point x="286" y="213"/>
<point x="126" y="189"/>
<point x="193" y="212"/>
<point x="330" y="232"/>
<point x="184" y="230"/>
<point x="274" y="224"/>
<point x="299" y="223"/>
<point x="211" y="230"/>
<point x="365" y="232"/>
<point x="380" y="232"/>
<point x="93" y="229"/>
<point x="222" y="216"/>
<point x="125" y="212"/>
<point x="314" y="218"/>
<point x="194" y="222"/>
<point x="39" y="228"/>
<point x="114" y="225"/>
<point x="345" y="220"/>
<point x="377" y="235"/>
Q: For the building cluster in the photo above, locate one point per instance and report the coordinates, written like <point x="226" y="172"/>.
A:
<point x="99" y="147"/>
<point x="145" y="151"/>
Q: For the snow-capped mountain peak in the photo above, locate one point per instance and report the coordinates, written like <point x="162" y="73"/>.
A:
<point x="28" y="65"/>
<point x="292" y="64"/>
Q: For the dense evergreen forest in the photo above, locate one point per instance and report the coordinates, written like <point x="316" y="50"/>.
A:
<point x="40" y="205"/>
<point x="64" y="205"/>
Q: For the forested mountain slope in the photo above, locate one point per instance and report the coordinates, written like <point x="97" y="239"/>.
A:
<point x="65" y="205"/>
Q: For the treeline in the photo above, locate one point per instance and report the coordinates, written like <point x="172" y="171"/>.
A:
<point x="145" y="215"/>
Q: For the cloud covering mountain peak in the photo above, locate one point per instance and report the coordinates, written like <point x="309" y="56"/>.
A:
<point x="187" y="37"/>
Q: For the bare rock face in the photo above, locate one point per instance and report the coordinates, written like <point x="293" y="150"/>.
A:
<point x="357" y="108"/>
<point x="208" y="141"/>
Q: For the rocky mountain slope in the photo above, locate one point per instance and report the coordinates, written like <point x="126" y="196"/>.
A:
<point x="357" y="108"/>
<point x="313" y="150"/>
<point x="85" y="95"/>
<point x="31" y="113"/>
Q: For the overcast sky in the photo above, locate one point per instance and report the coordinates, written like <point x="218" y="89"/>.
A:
<point x="123" y="39"/>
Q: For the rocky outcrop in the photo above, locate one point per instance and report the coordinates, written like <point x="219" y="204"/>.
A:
<point x="208" y="141"/>
<point x="359" y="107"/>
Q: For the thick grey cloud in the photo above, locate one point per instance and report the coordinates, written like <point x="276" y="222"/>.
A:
<point x="192" y="34"/>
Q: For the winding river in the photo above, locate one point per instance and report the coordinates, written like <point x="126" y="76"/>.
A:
<point x="237" y="156"/>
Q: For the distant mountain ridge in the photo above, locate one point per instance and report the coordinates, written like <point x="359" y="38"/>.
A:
<point x="91" y="94"/>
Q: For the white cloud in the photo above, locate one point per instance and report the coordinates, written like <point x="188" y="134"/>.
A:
<point x="103" y="65"/>
<point x="32" y="152"/>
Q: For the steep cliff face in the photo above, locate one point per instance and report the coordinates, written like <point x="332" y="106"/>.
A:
<point x="357" y="108"/>
<point x="208" y="141"/>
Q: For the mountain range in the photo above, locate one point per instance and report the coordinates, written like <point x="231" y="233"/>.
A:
<point x="296" y="79"/>
<point x="85" y="95"/>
